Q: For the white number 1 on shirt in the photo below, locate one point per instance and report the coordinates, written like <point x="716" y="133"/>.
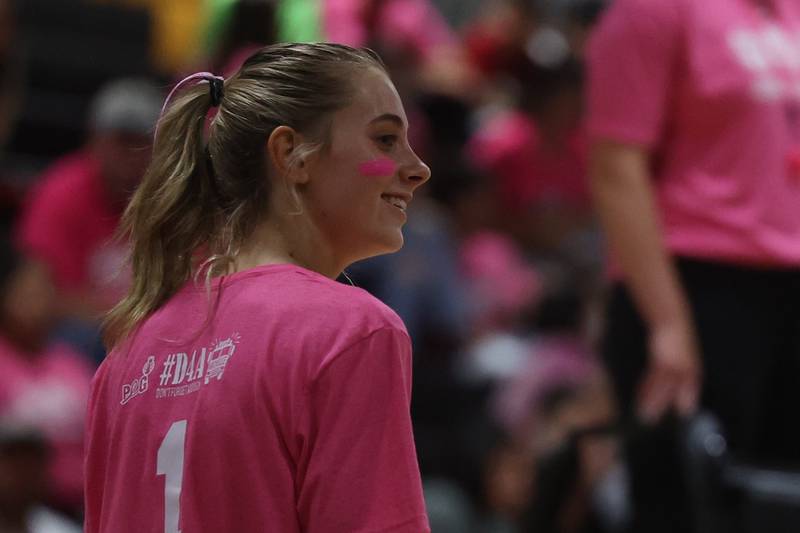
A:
<point x="170" y="465"/>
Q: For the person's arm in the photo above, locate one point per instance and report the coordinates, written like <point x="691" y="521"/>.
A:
<point x="358" y="469"/>
<point x="635" y="61"/>
<point x="622" y="190"/>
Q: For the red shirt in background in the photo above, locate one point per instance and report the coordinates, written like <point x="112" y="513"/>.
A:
<point x="69" y="223"/>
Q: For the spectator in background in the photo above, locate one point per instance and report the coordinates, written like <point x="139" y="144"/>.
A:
<point x="71" y="216"/>
<point x="415" y="26"/>
<point x="415" y="41"/>
<point x="24" y="455"/>
<point x="549" y="471"/>
<point x="578" y="487"/>
<point x="536" y="154"/>
<point x="495" y="41"/>
<point x="695" y="121"/>
<point x="44" y="386"/>
<point x="550" y="407"/>
<point x="502" y="284"/>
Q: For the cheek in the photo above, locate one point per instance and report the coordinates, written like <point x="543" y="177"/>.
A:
<point x="378" y="168"/>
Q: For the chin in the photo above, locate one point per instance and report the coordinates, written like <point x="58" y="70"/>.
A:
<point x="386" y="243"/>
<point x="395" y="242"/>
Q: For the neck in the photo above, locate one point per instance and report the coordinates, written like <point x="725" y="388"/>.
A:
<point x="293" y="240"/>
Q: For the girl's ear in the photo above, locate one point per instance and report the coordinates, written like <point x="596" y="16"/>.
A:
<point x="281" y="148"/>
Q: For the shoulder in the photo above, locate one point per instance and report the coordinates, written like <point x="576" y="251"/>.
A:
<point x="351" y="308"/>
<point x="312" y="302"/>
<point x="314" y="319"/>
<point x="365" y="332"/>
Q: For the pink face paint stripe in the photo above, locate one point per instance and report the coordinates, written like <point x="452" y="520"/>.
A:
<point x="378" y="168"/>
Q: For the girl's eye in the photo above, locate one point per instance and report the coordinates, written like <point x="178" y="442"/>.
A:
<point x="387" y="140"/>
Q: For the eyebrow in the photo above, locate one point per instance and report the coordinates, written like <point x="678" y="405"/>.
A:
<point x="390" y="117"/>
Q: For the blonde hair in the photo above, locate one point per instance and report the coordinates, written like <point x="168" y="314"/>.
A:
<point x="200" y="199"/>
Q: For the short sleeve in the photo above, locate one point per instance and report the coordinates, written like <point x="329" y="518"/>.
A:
<point x="358" y="472"/>
<point x="631" y="66"/>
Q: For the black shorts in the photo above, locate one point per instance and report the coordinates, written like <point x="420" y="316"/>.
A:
<point x="748" y="323"/>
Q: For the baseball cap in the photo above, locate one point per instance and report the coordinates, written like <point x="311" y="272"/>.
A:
<point x="130" y="105"/>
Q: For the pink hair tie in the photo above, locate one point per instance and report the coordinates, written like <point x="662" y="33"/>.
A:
<point x="217" y="85"/>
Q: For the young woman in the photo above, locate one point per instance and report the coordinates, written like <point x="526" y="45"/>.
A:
<point x="269" y="397"/>
<point x="695" y="115"/>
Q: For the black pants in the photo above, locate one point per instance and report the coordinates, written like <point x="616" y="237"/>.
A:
<point x="748" y="322"/>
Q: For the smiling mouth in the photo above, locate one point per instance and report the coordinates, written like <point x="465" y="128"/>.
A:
<point x="396" y="201"/>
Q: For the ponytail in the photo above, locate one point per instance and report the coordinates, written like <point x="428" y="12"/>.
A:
<point x="172" y="213"/>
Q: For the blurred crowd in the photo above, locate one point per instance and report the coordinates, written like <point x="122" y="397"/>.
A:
<point x="500" y="282"/>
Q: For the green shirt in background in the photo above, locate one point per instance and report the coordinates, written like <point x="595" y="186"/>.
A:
<point x="299" y="21"/>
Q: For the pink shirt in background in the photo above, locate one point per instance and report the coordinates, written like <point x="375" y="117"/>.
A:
<point x="48" y="391"/>
<point x="69" y="224"/>
<point x="555" y="362"/>
<point x="415" y="24"/>
<point x="528" y="172"/>
<point x="288" y="412"/>
<point x="713" y="89"/>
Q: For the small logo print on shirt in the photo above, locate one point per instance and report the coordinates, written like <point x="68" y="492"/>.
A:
<point x="139" y="385"/>
<point x="765" y="52"/>
<point x="183" y="374"/>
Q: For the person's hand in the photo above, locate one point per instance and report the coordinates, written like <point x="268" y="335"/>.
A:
<point x="673" y="377"/>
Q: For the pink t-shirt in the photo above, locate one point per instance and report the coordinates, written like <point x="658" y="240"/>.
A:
<point x="48" y="391"/>
<point x="712" y="88"/>
<point x="413" y="24"/>
<point x="529" y="172"/>
<point x="287" y="412"/>
<point x="69" y="223"/>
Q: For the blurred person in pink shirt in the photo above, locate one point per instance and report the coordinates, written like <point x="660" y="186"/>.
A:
<point x="536" y="154"/>
<point x="72" y="213"/>
<point x="42" y="385"/>
<point x="695" y="120"/>
<point x="24" y="456"/>
<point x="419" y="47"/>
<point x="269" y="396"/>
<point x="413" y="25"/>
